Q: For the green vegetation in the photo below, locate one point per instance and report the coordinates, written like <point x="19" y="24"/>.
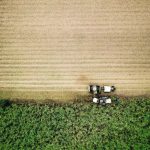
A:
<point x="4" y="103"/>
<point x="79" y="125"/>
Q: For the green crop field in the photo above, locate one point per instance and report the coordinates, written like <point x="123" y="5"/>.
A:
<point x="78" y="125"/>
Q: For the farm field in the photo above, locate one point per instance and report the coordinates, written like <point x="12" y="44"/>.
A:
<point x="76" y="125"/>
<point x="54" y="50"/>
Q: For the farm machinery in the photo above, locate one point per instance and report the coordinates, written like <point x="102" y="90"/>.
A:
<point x="96" y="91"/>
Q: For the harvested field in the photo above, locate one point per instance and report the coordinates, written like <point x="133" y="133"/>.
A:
<point x="52" y="49"/>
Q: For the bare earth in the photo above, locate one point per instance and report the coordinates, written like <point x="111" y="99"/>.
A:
<point x="52" y="49"/>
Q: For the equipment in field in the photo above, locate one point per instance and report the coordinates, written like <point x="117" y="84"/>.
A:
<point x="108" y="89"/>
<point x="102" y="100"/>
<point x="96" y="91"/>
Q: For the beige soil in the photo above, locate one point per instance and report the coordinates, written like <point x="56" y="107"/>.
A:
<point x="52" y="49"/>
